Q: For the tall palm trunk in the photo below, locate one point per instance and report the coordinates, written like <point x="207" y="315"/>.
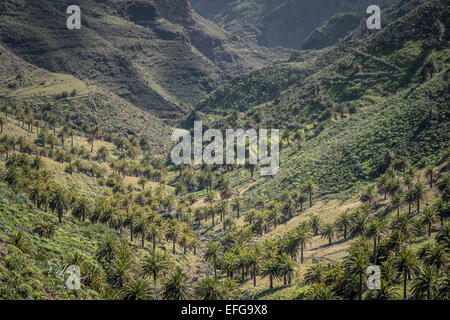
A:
<point x="404" y="284"/>
<point x="375" y="251"/>
<point x="360" y="287"/>
<point x="301" y="252"/>
<point x="310" y="198"/>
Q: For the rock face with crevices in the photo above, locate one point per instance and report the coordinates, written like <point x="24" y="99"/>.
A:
<point x="156" y="54"/>
<point x="177" y="10"/>
<point x="284" y="23"/>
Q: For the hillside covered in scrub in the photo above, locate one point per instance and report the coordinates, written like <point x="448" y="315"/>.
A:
<point x="86" y="177"/>
<point x="156" y="54"/>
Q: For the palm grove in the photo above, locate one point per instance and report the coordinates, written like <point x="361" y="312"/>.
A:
<point x="156" y="228"/>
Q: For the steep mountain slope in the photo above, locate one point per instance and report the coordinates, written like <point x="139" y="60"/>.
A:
<point x="331" y="31"/>
<point x="279" y="23"/>
<point x="157" y="55"/>
<point x="349" y="104"/>
<point x="70" y="99"/>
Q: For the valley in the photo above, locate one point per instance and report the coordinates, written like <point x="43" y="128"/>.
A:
<point x="87" y="178"/>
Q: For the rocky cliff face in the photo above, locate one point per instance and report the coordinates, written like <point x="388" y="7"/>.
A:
<point x="284" y="23"/>
<point x="175" y="10"/>
<point x="142" y="12"/>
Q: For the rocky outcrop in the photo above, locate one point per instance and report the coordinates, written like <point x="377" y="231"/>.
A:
<point x="285" y="23"/>
<point x="175" y="10"/>
<point x="141" y="12"/>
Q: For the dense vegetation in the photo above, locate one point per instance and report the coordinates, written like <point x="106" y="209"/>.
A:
<point x="85" y="177"/>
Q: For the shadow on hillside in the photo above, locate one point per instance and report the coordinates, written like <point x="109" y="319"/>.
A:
<point x="270" y="291"/>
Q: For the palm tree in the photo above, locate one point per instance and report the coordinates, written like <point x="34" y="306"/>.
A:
<point x="320" y="292"/>
<point x="210" y="196"/>
<point x="397" y="202"/>
<point x="18" y="240"/>
<point x="138" y="289"/>
<point x="382" y="185"/>
<point x="5" y="109"/>
<point x="316" y="274"/>
<point x="442" y="210"/>
<point x="213" y="250"/>
<point x="426" y="282"/>
<point x="130" y="222"/>
<point x="315" y="224"/>
<point x="185" y="240"/>
<point x="91" y="139"/>
<point x="418" y="194"/>
<point x="435" y="255"/>
<point x="286" y="267"/>
<point x="429" y="217"/>
<point x="429" y="172"/>
<point x="409" y="199"/>
<point x="288" y="209"/>
<point x="142" y="229"/>
<point x="250" y="216"/>
<point x="329" y="232"/>
<point x="285" y="137"/>
<point x="70" y="133"/>
<point x="386" y="292"/>
<point x="107" y="249"/>
<point x="406" y="263"/>
<point x="172" y="234"/>
<point x="357" y="262"/>
<point x="270" y="269"/>
<point x="195" y="243"/>
<point x="120" y="269"/>
<point x="155" y="263"/>
<point x="178" y="286"/>
<point x="209" y="288"/>
<point x="253" y="259"/>
<point x="302" y="236"/>
<point x="404" y="224"/>
<point x="237" y="206"/>
<point x="310" y="187"/>
<point x="154" y="232"/>
<point x="2" y="123"/>
<point x="443" y="236"/>
<point x="377" y="230"/>
<point x="368" y="195"/>
<point x="59" y="202"/>
<point x="82" y="209"/>
<point x="359" y="223"/>
<point x="344" y="222"/>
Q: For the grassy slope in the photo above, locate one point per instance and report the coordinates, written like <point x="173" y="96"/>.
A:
<point x="38" y="270"/>
<point x="275" y="22"/>
<point x="91" y="105"/>
<point x="152" y="64"/>
<point x="399" y="110"/>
